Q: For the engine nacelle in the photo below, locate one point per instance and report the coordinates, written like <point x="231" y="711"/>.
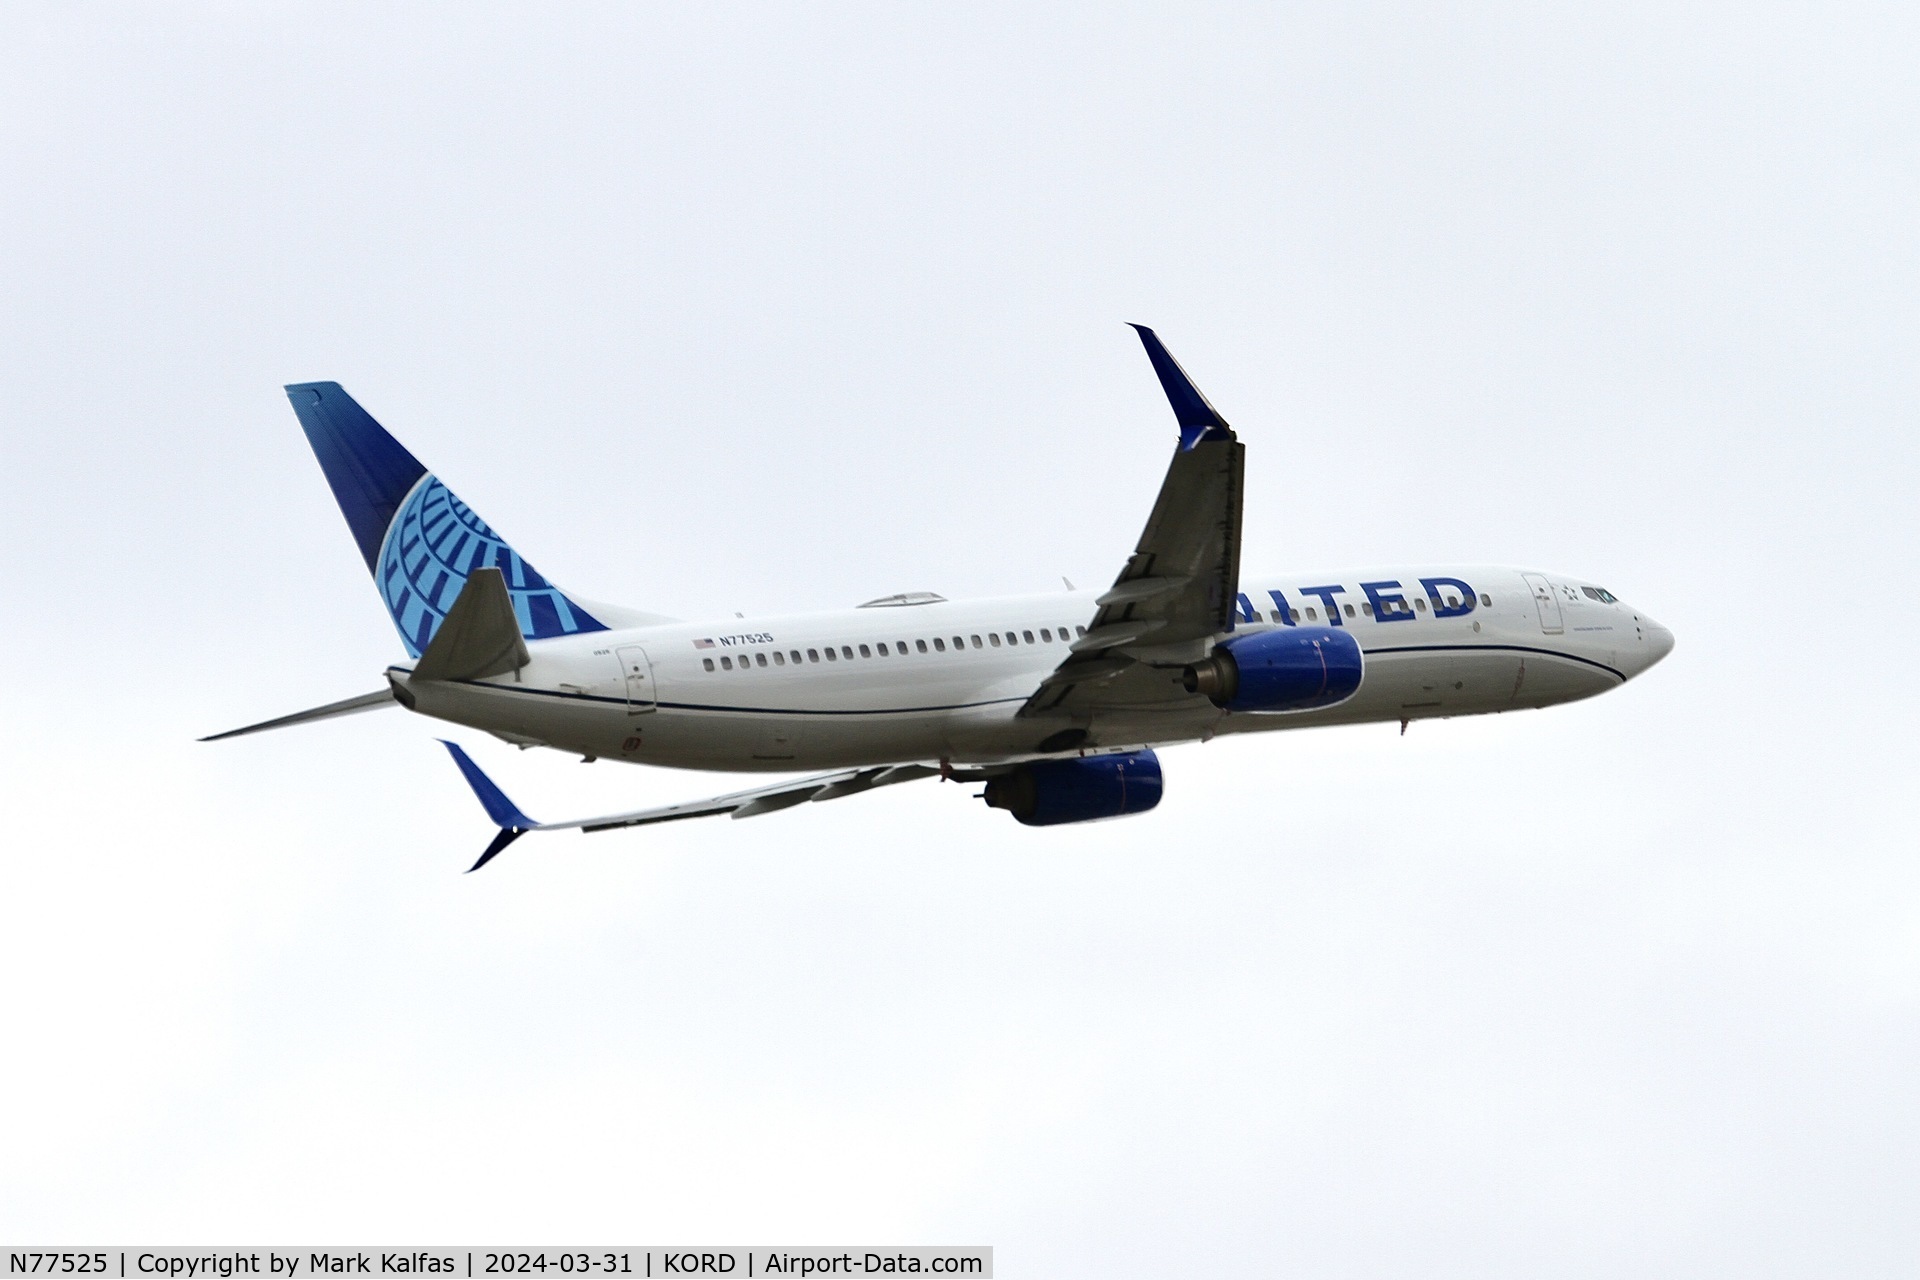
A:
<point x="1286" y="669"/>
<point x="1046" y="793"/>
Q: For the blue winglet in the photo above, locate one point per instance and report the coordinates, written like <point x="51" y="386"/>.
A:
<point x="506" y="837"/>
<point x="505" y="814"/>
<point x="1199" y="421"/>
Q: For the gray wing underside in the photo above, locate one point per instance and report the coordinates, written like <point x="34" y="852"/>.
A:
<point x="514" y="823"/>
<point x="759" y="800"/>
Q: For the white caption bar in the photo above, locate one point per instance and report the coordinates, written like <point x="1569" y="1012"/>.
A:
<point x="551" y="1262"/>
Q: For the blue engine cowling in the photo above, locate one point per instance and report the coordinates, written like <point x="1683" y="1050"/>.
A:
<point x="1046" y="793"/>
<point x="1287" y="669"/>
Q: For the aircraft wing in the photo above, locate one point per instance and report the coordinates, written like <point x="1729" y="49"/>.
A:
<point x="741" y="804"/>
<point x="1179" y="585"/>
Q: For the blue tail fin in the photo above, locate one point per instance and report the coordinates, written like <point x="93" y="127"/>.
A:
<point x="419" y="540"/>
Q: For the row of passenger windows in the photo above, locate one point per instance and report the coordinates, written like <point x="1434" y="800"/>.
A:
<point x="993" y="639"/>
<point x="1366" y="608"/>
<point x="846" y="652"/>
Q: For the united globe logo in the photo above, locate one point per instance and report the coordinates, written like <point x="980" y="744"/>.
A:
<point x="434" y="542"/>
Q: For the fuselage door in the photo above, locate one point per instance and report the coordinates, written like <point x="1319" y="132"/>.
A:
<point x="1544" y="601"/>
<point x="638" y="670"/>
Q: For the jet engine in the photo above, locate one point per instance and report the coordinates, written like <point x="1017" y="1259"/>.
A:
<point x="1045" y="793"/>
<point x="1287" y="669"/>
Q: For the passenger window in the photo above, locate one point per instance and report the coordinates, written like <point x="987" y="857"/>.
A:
<point x="707" y="663"/>
<point x="1486" y="600"/>
<point x="1295" y="614"/>
<point x="939" y="644"/>
<point x="813" y="655"/>
<point x="846" y="651"/>
<point x="1080" y="631"/>
<point x="977" y="644"/>
<point x="1349" y="611"/>
<point x="795" y="655"/>
<point x="921" y="645"/>
<point x="865" y="652"/>
<point x="959" y="642"/>
<point x="1046" y="636"/>
<point x="1313" y="615"/>
<point x="779" y="658"/>
<point x="1028" y="635"/>
<point x="831" y="655"/>
<point x="1420" y="603"/>
<point x="1274" y="616"/>
<point x="1453" y="602"/>
<point x="726" y="664"/>
<point x="881" y="648"/>
<point x="760" y="658"/>
<point x="993" y="636"/>
<point x="1366" y="609"/>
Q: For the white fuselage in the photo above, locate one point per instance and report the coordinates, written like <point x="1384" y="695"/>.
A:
<point x="944" y="681"/>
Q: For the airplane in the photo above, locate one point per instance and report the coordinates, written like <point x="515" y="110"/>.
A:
<point x="1055" y="702"/>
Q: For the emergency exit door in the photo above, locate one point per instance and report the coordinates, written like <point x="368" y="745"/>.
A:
<point x="1546" y="602"/>
<point x="638" y="670"/>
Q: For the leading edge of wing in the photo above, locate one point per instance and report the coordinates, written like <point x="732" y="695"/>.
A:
<point x="741" y="804"/>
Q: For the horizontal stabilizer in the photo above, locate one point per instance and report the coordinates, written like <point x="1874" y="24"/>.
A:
<point x="479" y="637"/>
<point x="345" y="707"/>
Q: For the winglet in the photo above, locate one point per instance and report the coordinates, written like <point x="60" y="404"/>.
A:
<point x="1199" y="421"/>
<point x="506" y="837"/>
<point x="505" y="814"/>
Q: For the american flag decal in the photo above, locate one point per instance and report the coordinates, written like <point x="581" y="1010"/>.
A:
<point x="703" y="644"/>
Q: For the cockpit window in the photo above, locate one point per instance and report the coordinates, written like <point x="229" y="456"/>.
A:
<point x="1601" y="594"/>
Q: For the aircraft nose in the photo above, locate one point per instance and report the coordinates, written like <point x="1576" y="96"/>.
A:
<point x="1659" y="640"/>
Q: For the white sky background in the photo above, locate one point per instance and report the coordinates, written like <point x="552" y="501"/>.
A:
<point x="765" y="309"/>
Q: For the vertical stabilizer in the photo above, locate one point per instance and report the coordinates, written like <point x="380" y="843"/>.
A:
<point x="419" y="540"/>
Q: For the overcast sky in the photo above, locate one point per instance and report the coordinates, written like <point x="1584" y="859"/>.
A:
<point x="766" y="308"/>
